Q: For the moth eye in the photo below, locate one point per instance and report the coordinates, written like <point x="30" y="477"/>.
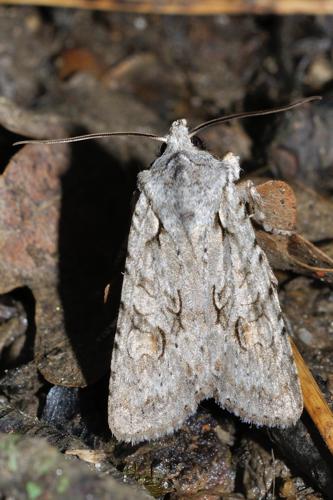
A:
<point x="197" y="142"/>
<point x="163" y="148"/>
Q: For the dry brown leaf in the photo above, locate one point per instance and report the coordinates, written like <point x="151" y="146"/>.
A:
<point x="279" y="205"/>
<point x="294" y="253"/>
<point x="30" y="198"/>
<point x="314" y="210"/>
<point x="78" y="60"/>
<point x="31" y="211"/>
<point x="289" y="252"/>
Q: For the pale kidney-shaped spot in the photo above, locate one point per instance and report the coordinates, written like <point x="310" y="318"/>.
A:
<point x="141" y="343"/>
<point x="246" y="333"/>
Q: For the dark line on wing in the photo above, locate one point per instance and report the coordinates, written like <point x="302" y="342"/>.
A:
<point x="219" y="310"/>
<point x="159" y="232"/>
<point x="219" y="224"/>
<point x="163" y="342"/>
<point x="138" y="312"/>
<point x="142" y="285"/>
<point x="178" y="313"/>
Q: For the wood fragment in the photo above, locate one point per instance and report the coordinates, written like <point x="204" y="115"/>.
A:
<point x="314" y="401"/>
<point x="89" y="456"/>
<point x="192" y="7"/>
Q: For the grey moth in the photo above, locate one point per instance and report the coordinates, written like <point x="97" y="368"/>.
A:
<point x="199" y="313"/>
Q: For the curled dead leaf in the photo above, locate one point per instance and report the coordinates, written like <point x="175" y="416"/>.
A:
<point x="37" y="221"/>
<point x="289" y="252"/>
<point x="294" y="253"/>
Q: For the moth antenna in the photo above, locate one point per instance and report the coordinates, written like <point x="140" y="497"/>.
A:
<point x="88" y="137"/>
<point x="262" y="112"/>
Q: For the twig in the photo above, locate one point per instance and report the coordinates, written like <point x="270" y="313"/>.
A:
<point x="192" y="7"/>
<point x="314" y="402"/>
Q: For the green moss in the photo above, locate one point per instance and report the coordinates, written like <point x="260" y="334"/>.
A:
<point x="62" y="485"/>
<point x="8" y="446"/>
<point x="44" y="464"/>
<point x="33" y="490"/>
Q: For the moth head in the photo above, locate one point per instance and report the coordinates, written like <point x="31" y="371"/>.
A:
<point x="178" y="137"/>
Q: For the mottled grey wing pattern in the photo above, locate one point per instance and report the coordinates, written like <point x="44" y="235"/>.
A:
<point x="254" y="370"/>
<point x="158" y="365"/>
<point x="199" y="316"/>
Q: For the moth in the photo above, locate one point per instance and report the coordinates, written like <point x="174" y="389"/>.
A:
<point x="199" y="312"/>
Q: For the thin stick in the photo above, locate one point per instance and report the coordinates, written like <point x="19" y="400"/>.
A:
<point x="193" y="7"/>
<point x="314" y="402"/>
